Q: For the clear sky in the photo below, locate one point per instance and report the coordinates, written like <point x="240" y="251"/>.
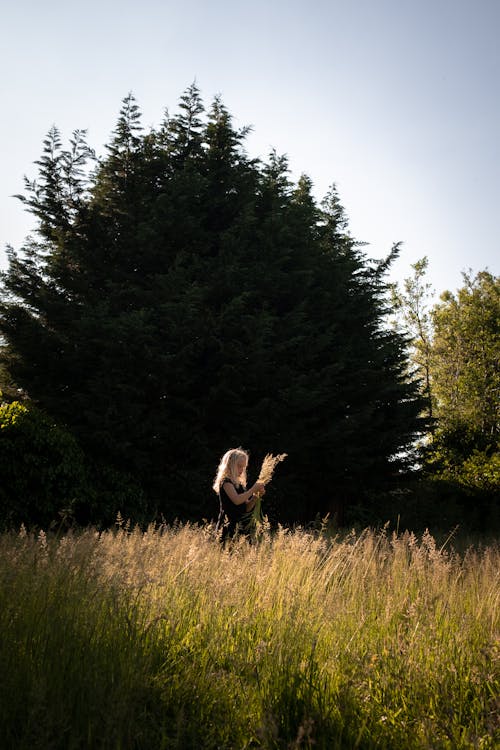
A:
<point x="396" y="101"/>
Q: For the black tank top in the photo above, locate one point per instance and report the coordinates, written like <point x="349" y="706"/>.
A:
<point x="234" y="513"/>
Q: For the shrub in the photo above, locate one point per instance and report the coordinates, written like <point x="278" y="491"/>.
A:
<point x="48" y="479"/>
<point x="43" y="468"/>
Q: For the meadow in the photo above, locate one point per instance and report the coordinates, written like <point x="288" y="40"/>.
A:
<point x="163" y="638"/>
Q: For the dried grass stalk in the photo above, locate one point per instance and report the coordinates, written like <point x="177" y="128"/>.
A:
<point x="268" y="466"/>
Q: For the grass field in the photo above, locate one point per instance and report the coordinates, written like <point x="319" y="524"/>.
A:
<point x="165" y="639"/>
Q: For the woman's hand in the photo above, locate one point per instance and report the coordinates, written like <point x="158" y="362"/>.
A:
<point x="259" y="488"/>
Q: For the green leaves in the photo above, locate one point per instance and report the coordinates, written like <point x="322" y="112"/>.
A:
<point x="465" y="355"/>
<point x="456" y="349"/>
<point x="43" y="472"/>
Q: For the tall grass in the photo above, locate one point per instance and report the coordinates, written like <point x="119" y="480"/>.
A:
<point x="166" y="639"/>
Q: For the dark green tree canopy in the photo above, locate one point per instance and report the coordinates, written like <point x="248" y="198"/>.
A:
<point x="182" y="298"/>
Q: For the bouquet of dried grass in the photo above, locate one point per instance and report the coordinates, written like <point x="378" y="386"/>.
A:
<point x="269" y="464"/>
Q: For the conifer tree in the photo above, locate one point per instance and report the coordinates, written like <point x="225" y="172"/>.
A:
<point x="184" y="298"/>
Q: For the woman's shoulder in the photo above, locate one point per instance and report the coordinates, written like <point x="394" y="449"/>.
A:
<point x="237" y="486"/>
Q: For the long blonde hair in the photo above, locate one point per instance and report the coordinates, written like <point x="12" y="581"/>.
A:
<point x="228" y="469"/>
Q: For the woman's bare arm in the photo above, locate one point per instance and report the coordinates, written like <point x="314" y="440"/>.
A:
<point x="238" y="498"/>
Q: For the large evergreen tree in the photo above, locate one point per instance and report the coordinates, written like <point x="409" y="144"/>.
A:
<point x="183" y="298"/>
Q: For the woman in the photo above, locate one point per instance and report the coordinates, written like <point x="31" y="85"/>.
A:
<point x="234" y="499"/>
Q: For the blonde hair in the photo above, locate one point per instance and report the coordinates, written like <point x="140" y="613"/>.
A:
<point x="228" y="468"/>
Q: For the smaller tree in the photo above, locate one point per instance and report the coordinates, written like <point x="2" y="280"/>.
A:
<point x="412" y="302"/>
<point x="465" y="356"/>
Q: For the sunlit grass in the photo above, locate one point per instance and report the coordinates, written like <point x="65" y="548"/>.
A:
<point x="166" y="639"/>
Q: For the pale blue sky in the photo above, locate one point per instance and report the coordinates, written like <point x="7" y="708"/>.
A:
<point x="396" y="101"/>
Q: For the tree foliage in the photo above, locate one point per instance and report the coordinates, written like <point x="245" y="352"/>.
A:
<point x="465" y="358"/>
<point x="413" y="305"/>
<point x="43" y="472"/>
<point x="456" y="347"/>
<point x="182" y="298"/>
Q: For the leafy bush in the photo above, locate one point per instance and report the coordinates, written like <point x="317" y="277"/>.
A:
<point x="483" y="470"/>
<point x="43" y="468"/>
<point x="479" y="471"/>
<point x="47" y="478"/>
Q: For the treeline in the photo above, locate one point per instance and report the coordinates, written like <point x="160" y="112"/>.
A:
<point x="180" y="298"/>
